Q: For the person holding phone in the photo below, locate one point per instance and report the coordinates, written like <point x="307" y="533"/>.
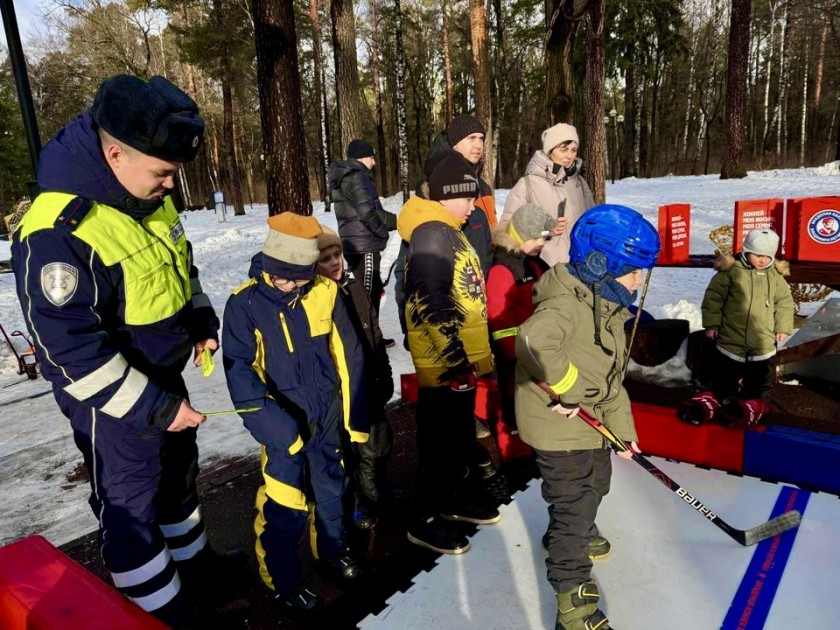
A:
<point x="553" y="181"/>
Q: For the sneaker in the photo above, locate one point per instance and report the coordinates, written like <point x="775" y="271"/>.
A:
<point x="300" y="598"/>
<point x="598" y="547"/>
<point x="435" y="535"/>
<point x="342" y="567"/>
<point x="478" y="513"/>
<point x="389" y="343"/>
<point x="481" y="430"/>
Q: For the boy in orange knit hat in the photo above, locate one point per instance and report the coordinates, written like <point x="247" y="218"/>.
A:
<point x="293" y="361"/>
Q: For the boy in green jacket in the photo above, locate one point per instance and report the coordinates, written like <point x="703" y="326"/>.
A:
<point x="574" y="344"/>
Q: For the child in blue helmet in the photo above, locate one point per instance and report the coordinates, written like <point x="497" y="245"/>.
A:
<point x="574" y="344"/>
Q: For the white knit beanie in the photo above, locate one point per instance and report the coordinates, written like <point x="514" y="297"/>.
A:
<point x="764" y="242"/>
<point x="558" y="134"/>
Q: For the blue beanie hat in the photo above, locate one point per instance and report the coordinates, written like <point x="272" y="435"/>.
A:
<point x="156" y="118"/>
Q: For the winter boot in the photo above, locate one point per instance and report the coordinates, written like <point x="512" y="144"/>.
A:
<point x="699" y="409"/>
<point x="511" y="446"/>
<point x="742" y="413"/>
<point x="578" y="609"/>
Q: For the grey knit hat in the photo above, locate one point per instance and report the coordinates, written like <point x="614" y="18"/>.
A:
<point x="529" y="221"/>
<point x="764" y="242"/>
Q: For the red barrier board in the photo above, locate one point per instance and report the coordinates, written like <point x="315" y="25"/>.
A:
<point x="756" y="214"/>
<point x="662" y="433"/>
<point x="43" y="589"/>
<point x="812" y="230"/>
<point x="674" y="232"/>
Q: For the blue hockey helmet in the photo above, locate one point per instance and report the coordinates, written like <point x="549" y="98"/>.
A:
<point x="612" y="240"/>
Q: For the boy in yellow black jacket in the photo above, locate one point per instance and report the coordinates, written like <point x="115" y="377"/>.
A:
<point x="446" y="317"/>
<point x="293" y="360"/>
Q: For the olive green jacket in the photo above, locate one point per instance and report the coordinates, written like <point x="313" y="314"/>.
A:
<point x="748" y="306"/>
<point x="556" y="345"/>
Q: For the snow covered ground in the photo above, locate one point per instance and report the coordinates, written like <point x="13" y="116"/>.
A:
<point x="39" y="462"/>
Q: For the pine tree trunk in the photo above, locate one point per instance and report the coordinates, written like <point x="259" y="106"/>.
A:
<point x="688" y="110"/>
<point x="278" y="82"/>
<point x="593" y="150"/>
<point x="644" y="128"/>
<point x="804" y="120"/>
<point x="381" y="151"/>
<point x="561" y="26"/>
<point x="628" y="160"/>
<point x="736" y="87"/>
<point x="402" y="134"/>
<point x="320" y="102"/>
<point x="784" y="55"/>
<point x="347" y="86"/>
<point x="229" y="150"/>
<point x="768" y="123"/>
<point x="447" y="64"/>
<point x="481" y="76"/>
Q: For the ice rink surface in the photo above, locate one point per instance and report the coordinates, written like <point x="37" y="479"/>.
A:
<point x="669" y="567"/>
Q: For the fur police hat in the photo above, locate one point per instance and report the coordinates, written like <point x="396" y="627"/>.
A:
<point x="156" y="118"/>
<point x="452" y="178"/>
<point x="291" y="249"/>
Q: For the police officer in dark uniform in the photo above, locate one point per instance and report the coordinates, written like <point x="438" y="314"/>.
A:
<point x="116" y="311"/>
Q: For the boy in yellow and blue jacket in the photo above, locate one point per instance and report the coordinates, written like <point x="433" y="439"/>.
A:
<point x="294" y="362"/>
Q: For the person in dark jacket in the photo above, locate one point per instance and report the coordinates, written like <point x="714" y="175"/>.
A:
<point x="510" y="282"/>
<point x="446" y="313"/>
<point x="365" y="462"/>
<point x="115" y="307"/>
<point x="294" y="367"/>
<point x="476" y="228"/>
<point x="363" y="223"/>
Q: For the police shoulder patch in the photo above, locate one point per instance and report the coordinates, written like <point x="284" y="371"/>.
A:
<point x="59" y="282"/>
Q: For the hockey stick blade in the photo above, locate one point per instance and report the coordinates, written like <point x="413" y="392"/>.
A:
<point x="771" y="528"/>
<point x="747" y="537"/>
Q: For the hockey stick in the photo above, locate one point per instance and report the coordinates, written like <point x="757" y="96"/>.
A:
<point x="746" y="537"/>
<point x="636" y="322"/>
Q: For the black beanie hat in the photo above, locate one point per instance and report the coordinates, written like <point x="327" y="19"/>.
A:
<point x="156" y="118"/>
<point x="452" y="178"/>
<point x="461" y="127"/>
<point x="359" y="149"/>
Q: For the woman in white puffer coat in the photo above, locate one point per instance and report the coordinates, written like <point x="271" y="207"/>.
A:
<point x="553" y="181"/>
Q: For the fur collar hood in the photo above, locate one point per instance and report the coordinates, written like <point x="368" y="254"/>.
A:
<point x="725" y="262"/>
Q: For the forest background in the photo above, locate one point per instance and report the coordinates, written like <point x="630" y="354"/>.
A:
<point x="653" y="86"/>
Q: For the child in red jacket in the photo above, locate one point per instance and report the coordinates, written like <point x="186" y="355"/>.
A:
<point x="517" y="266"/>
